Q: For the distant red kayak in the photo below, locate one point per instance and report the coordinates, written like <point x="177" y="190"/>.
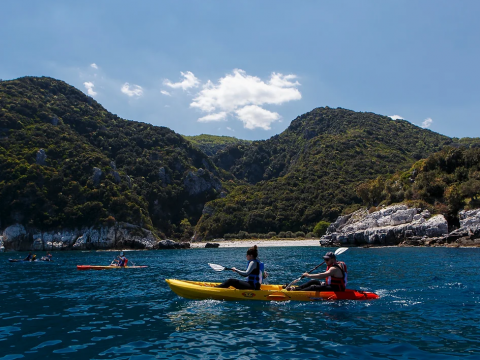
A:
<point x="107" y="267"/>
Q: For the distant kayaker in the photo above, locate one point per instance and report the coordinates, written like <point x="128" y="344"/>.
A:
<point x="255" y="273"/>
<point x="122" y="260"/>
<point x="48" y="257"/>
<point x="335" y="277"/>
<point x="29" y="257"/>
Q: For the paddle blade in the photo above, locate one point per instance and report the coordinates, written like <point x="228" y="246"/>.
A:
<point x="217" y="267"/>
<point x="340" y="250"/>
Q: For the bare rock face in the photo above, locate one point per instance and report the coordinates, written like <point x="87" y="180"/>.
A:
<point x="163" y="176"/>
<point x="199" y="181"/>
<point x="469" y="230"/>
<point x="41" y="157"/>
<point x="121" y="235"/>
<point x="14" y="237"/>
<point x="97" y="175"/>
<point x="388" y="226"/>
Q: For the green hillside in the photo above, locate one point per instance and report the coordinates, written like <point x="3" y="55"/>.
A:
<point x="445" y="182"/>
<point x="65" y="161"/>
<point x="212" y="144"/>
<point x="309" y="172"/>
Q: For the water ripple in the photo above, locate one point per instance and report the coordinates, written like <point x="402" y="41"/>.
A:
<point x="58" y="312"/>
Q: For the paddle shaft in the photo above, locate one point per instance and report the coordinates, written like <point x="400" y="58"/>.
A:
<point x="301" y="277"/>
<point x="337" y="252"/>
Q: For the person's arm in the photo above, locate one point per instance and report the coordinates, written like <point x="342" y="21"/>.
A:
<point x="251" y="267"/>
<point x="323" y="275"/>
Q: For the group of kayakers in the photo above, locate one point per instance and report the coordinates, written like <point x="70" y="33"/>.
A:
<point x="33" y="257"/>
<point x="335" y="276"/>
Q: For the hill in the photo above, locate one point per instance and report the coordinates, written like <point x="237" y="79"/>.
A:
<point x="445" y="182"/>
<point x="212" y="144"/>
<point x="310" y="171"/>
<point x="66" y="162"/>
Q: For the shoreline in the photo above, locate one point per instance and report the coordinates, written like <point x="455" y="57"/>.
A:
<point x="260" y="243"/>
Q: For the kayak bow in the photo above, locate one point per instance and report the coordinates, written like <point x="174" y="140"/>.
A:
<point x="205" y="290"/>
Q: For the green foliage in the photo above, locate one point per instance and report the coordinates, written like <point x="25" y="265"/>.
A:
<point x="446" y="180"/>
<point x="211" y="144"/>
<point x="143" y="167"/>
<point x="310" y="171"/>
<point x="321" y="228"/>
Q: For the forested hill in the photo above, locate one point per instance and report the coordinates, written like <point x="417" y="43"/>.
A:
<point x="212" y="144"/>
<point x="309" y="172"/>
<point x="67" y="162"/>
<point x="333" y="131"/>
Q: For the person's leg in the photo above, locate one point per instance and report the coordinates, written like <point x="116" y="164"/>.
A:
<point x="237" y="284"/>
<point x="307" y="284"/>
<point x="320" y="287"/>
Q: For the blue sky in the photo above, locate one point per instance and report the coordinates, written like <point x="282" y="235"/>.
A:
<point x="247" y="68"/>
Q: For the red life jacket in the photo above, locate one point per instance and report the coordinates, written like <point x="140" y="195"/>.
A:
<point x="340" y="282"/>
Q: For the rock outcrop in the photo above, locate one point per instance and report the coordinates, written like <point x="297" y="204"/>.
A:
<point x="170" y="244"/>
<point x="199" y="181"/>
<point x="389" y="226"/>
<point x="41" y="157"/>
<point x="212" y="245"/>
<point x="118" y="236"/>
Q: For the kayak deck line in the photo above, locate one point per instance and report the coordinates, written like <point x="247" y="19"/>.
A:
<point x="107" y="267"/>
<point x="199" y="290"/>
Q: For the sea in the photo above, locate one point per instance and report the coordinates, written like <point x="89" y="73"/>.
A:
<point x="429" y="307"/>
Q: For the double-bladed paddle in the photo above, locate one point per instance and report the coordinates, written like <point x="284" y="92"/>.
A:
<point x="218" y="267"/>
<point x="337" y="252"/>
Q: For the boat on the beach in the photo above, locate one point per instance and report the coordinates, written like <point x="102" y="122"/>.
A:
<point x="200" y="290"/>
<point x="107" y="267"/>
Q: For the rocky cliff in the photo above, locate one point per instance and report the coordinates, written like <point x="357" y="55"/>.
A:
<point x="401" y="225"/>
<point x="118" y="236"/>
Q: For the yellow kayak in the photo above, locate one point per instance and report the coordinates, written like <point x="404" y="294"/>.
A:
<point x="207" y="290"/>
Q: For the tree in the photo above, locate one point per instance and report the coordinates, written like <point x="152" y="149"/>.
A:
<point x="321" y="228"/>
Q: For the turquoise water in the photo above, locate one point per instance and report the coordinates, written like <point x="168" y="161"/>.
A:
<point x="429" y="308"/>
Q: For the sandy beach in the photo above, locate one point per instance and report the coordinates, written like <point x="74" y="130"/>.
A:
<point x="259" y="243"/>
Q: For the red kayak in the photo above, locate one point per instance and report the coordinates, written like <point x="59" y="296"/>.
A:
<point x="107" y="267"/>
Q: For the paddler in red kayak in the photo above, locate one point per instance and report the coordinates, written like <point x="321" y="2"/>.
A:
<point x="335" y="277"/>
<point x="122" y="260"/>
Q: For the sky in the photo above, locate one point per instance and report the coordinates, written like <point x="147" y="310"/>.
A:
<point x="248" y="68"/>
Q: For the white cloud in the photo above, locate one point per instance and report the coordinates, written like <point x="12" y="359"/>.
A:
<point x="166" y="93"/>
<point x="94" y="66"/>
<point x="242" y="95"/>
<point x="396" y="117"/>
<point x="213" y="117"/>
<point x="132" y="90"/>
<point x="427" y="123"/>
<point x="254" y="116"/>
<point x="89" y="86"/>
<point x="239" y="89"/>
<point x="189" y="81"/>
<point x="229" y="128"/>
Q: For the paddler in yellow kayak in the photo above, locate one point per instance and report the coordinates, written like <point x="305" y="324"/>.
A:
<point x="255" y="272"/>
<point x="335" y="277"/>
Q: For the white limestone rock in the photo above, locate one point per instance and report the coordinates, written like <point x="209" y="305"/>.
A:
<point x="14" y="233"/>
<point x="388" y="226"/>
